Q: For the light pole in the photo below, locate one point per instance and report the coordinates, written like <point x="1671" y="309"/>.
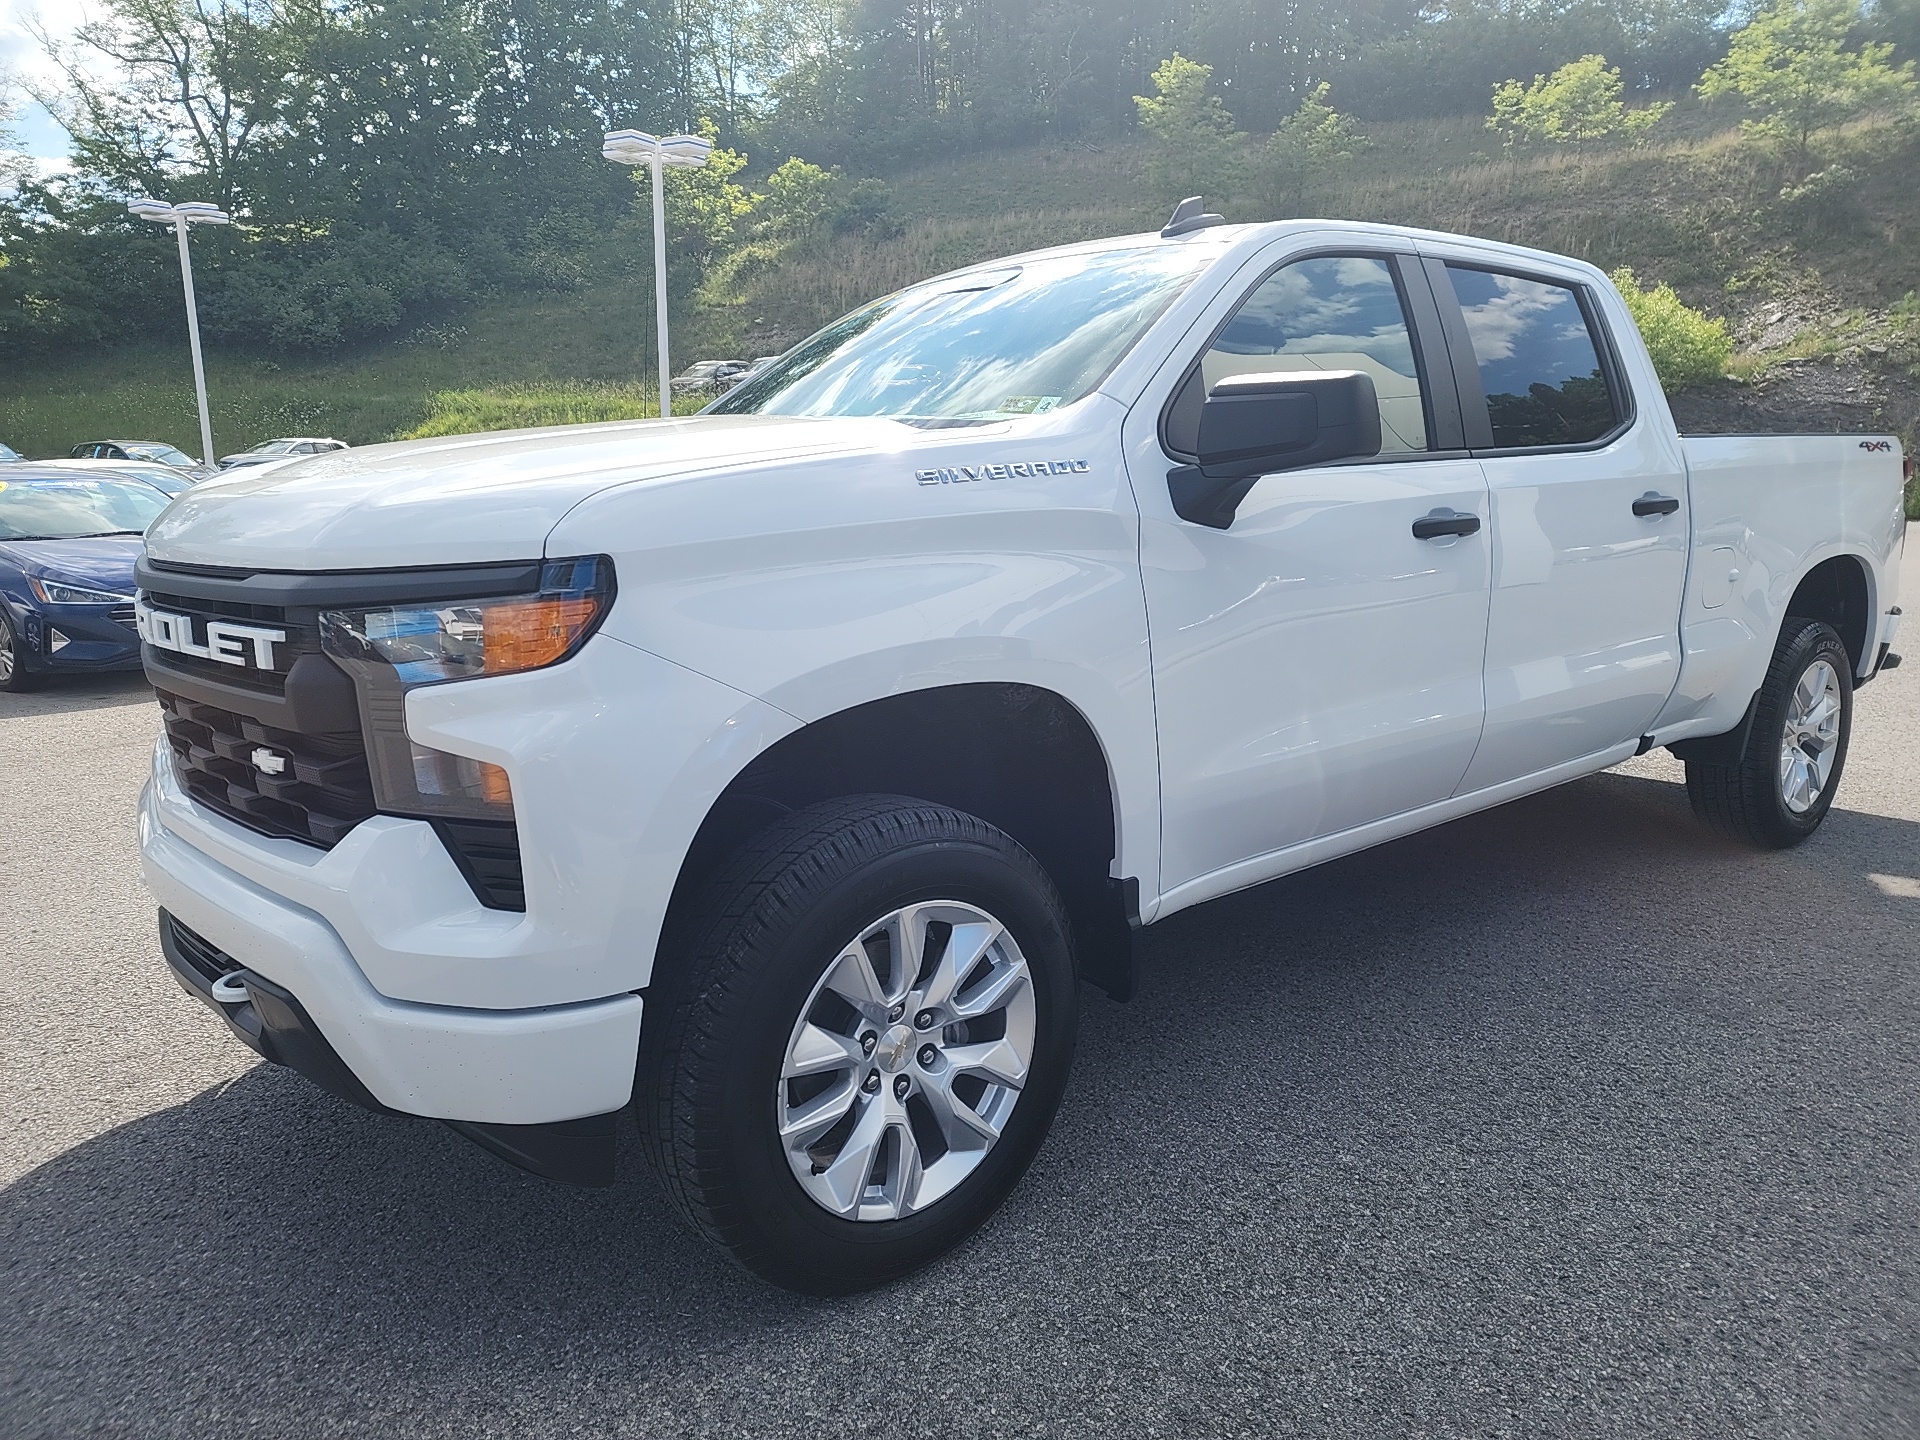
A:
<point x="193" y="212"/>
<point x="634" y="148"/>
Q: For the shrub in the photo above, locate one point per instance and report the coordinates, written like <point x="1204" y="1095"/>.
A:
<point x="1688" y="348"/>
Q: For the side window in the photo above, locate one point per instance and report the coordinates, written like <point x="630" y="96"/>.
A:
<point x="1539" y="365"/>
<point x="1336" y="312"/>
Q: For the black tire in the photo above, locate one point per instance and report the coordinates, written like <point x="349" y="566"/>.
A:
<point x="14" y="674"/>
<point x="1745" y="799"/>
<point x="736" y="971"/>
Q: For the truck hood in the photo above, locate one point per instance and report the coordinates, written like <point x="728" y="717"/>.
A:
<point x="469" y="499"/>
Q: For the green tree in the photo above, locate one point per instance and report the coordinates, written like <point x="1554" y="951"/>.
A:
<point x="1581" y="101"/>
<point x="1793" y="69"/>
<point x="1192" y="144"/>
<point x="1308" y="146"/>
<point x="799" y="198"/>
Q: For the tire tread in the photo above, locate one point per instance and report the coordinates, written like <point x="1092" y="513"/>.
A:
<point x="755" y="895"/>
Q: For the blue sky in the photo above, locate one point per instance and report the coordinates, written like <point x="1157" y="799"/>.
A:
<point x="20" y="55"/>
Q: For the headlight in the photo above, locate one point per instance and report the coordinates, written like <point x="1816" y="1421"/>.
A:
<point x="52" y="592"/>
<point x="394" y="649"/>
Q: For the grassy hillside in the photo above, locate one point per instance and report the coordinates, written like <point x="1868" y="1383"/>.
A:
<point x="1814" y="278"/>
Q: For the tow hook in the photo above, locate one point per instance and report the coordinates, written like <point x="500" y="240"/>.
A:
<point x="229" y="990"/>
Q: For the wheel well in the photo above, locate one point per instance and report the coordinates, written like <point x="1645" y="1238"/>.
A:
<point x="1836" y="591"/>
<point x="1019" y="757"/>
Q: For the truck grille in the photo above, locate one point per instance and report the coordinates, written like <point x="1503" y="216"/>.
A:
<point x="312" y="788"/>
<point x="123" y="614"/>
<point x="301" y="639"/>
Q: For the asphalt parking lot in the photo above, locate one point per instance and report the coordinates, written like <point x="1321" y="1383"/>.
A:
<point x="1566" y="1119"/>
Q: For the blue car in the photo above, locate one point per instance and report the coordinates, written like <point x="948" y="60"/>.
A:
<point x="67" y="546"/>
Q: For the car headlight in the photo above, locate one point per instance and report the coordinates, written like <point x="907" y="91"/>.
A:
<point x="392" y="649"/>
<point x="52" y="592"/>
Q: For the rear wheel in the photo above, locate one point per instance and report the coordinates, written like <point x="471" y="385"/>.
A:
<point x="14" y="675"/>
<point x="1783" y="784"/>
<point x="858" y="1040"/>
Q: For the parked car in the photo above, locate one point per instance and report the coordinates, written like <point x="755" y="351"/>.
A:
<point x="165" y="478"/>
<point x="282" y="449"/>
<point x="152" y="450"/>
<point x="710" y="377"/>
<point x="777" y="775"/>
<point x="67" y="547"/>
<point x="9" y="456"/>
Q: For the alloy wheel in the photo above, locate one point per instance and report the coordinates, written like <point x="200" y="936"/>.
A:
<point x="906" y="1061"/>
<point x="1810" y="737"/>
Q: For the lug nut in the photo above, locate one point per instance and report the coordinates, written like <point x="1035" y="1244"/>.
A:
<point x="924" y="1020"/>
<point x="928" y="1055"/>
<point x="872" y="1082"/>
<point x="867" y="1042"/>
<point x="900" y="1086"/>
<point x="896" y="1012"/>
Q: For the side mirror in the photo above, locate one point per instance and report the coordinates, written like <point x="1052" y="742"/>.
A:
<point x="1254" y="425"/>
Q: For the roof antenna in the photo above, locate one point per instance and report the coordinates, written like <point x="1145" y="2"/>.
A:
<point x="1189" y="215"/>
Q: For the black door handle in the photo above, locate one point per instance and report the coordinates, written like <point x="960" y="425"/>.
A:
<point x="1445" y="522"/>
<point x="1652" y="504"/>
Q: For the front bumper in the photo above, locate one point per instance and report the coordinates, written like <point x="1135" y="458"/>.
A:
<point x="530" y="1066"/>
<point x="75" y="638"/>
<point x="270" y="1020"/>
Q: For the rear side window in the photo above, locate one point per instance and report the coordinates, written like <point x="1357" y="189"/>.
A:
<point x="1539" y="362"/>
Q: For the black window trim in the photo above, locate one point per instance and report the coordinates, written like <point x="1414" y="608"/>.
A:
<point x="1440" y="404"/>
<point x="1479" y="427"/>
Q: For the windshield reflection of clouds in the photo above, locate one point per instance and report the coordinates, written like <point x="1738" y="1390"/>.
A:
<point x="986" y="346"/>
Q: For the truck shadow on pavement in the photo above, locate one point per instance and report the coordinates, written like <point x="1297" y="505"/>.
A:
<point x="1561" y="1114"/>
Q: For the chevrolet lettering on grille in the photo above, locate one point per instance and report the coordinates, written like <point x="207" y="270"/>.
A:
<point x="227" y="641"/>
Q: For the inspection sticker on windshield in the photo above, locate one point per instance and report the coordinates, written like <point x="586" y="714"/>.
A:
<point x="1028" y="404"/>
<point x="1015" y="470"/>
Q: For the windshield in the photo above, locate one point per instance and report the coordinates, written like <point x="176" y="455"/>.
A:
<point x="271" y="447"/>
<point x="74" y="509"/>
<point x="984" y="345"/>
<point x="8" y="455"/>
<point x="165" y="454"/>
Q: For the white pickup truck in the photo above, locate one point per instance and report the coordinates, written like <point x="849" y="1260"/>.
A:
<point x="774" y="775"/>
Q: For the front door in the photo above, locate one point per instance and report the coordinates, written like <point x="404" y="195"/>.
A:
<point x="1589" y="524"/>
<point x="1316" y="666"/>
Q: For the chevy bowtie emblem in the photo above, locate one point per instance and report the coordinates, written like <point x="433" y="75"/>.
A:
<point x="268" y="763"/>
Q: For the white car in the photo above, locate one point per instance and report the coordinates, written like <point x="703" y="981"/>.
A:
<point x="772" y="776"/>
<point x="285" y="448"/>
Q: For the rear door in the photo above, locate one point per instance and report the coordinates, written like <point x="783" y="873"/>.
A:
<point x="1589" y="518"/>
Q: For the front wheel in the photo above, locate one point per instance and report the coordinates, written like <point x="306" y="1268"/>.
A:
<point x="14" y="675"/>
<point x="859" y="1036"/>
<point x="1782" y="786"/>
